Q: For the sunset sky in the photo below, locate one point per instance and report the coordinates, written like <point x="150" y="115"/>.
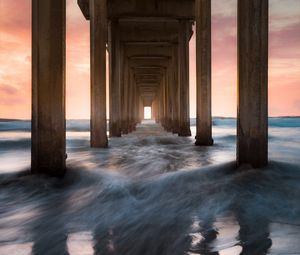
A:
<point x="284" y="61"/>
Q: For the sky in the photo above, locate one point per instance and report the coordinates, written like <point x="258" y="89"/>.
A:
<point x="284" y="60"/>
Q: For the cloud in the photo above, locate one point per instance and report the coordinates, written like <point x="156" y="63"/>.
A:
<point x="15" y="57"/>
<point x="8" y="90"/>
<point x="297" y="105"/>
<point x="284" y="43"/>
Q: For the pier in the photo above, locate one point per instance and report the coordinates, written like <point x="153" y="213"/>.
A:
<point x="148" y="48"/>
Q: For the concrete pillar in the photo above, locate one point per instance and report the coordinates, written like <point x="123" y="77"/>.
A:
<point x="98" y="28"/>
<point x="252" y="127"/>
<point x="175" y="91"/>
<point x="131" y="102"/>
<point x="135" y="105"/>
<point x="183" y="72"/>
<point x="125" y="106"/>
<point x="140" y="109"/>
<point x="114" y="84"/>
<point x="169" y="100"/>
<point x="156" y="108"/>
<point x="203" y="72"/>
<point x="161" y="104"/>
<point x="164" y="100"/>
<point x="48" y="153"/>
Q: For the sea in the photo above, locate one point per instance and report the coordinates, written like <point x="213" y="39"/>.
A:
<point x="151" y="193"/>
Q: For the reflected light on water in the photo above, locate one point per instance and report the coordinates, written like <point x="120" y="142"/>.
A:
<point x="80" y="243"/>
<point x="236" y="250"/>
<point x="129" y="199"/>
<point x="16" y="249"/>
<point x="284" y="237"/>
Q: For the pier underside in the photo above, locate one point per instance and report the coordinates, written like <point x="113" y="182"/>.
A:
<point x="148" y="48"/>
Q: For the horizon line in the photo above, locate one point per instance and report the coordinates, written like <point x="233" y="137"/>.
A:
<point x="224" y="117"/>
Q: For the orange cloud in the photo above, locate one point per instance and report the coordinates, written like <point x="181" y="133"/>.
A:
<point x="284" y="72"/>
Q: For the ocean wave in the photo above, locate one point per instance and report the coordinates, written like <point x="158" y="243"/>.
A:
<point x="84" y="125"/>
<point x="158" y="215"/>
<point x="151" y="193"/>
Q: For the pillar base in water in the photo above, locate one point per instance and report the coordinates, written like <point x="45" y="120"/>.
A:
<point x="204" y="141"/>
<point x="49" y="171"/>
<point x="99" y="144"/>
<point x="185" y="131"/>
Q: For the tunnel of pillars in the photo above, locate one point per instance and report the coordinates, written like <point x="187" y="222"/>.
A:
<point x="148" y="47"/>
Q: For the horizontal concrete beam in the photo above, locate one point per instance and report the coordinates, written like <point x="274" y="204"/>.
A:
<point x="172" y="9"/>
<point x="148" y="84"/>
<point x="148" y="69"/>
<point x="141" y="80"/>
<point x="144" y="43"/>
<point x="149" y="57"/>
<point x="148" y="50"/>
<point x="161" y="63"/>
<point x="154" y="31"/>
<point x="147" y="76"/>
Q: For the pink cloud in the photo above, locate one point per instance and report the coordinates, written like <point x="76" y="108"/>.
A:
<point x="15" y="57"/>
<point x="8" y="90"/>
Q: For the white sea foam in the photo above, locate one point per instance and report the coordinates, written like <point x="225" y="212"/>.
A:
<point x="152" y="193"/>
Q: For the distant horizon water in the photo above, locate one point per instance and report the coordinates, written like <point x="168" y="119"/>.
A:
<point x="216" y="117"/>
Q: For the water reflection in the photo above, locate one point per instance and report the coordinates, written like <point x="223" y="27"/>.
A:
<point x="208" y="235"/>
<point x="80" y="243"/>
<point x="253" y="237"/>
<point x="254" y="234"/>
<point x="49" y="232"/>
<point x="19" y="249"/>
<point x="131" y="200"/>
<point x="103" y="242"/>
<point x="98" y="215"/>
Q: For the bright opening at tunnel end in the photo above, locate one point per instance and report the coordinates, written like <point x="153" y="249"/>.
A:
<point x="147" y="113"/>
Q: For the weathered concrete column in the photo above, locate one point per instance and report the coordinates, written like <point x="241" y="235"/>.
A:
<point x="161" y="103"/>
<point x="114" y="84"/>
<point x="252" y="142"/>
<point x="125" y="106"/>
<point x="165" y="120"/>
<point x="183" y="72"/>
<point x="135" y="105"/>
<point x="175" y="91"/>
<point x="140" y="109"/>
<point x="98" y="28"/>
<point x="48" y="153"/>
<point x="154" y="109"/>
<point x="157" y="106"/>
<point x="164" y="101"/>
<point x="203" y="72"/>
<point x="169" y="99"/>
<point x="131" y="102"/>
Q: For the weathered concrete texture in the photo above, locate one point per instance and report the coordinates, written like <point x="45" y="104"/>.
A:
<point x="150" y="35"/>
<point x="183" y="77"/>
<point x="48" y="87"/>
<point x="203" y="72"/>
<point x="114" y="85"/>
<point x="175" y="90"/>
<point x="252" y="144"/>
<point x="125" y="95"/>
<point x="98" y="30"/>
<point x="147" y="8"/>
<point x="149" y="66"/>
<point x="148" y="43"/>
